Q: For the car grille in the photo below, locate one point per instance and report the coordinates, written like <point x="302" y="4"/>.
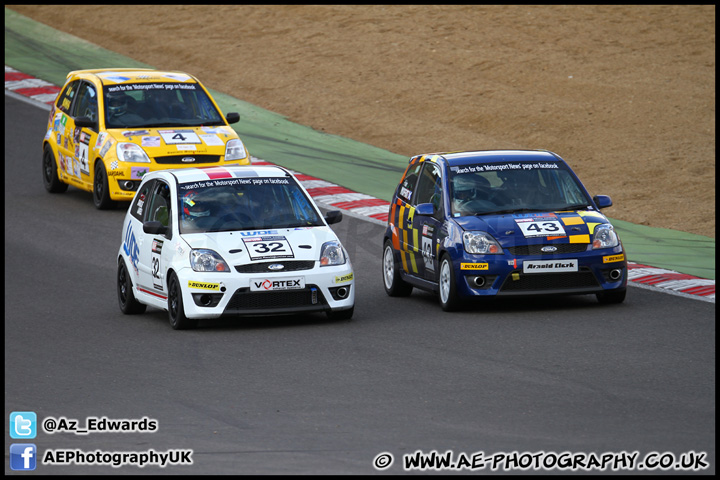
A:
<point x="291" y="266"/>
<point x="550" y="281"/>
<point x="178" y="159"/>
<point x="562" y="248"/>
<point x="243" y="299"/>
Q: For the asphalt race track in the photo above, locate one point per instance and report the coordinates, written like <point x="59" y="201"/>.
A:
<point x="303" y="395"/>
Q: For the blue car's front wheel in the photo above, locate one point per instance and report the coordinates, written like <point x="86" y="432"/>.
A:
<point x="448" y="296"/>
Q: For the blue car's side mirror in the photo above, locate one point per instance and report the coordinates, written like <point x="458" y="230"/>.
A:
<point x="426" y="209"/>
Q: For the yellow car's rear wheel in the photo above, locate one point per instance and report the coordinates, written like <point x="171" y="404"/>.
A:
<point x="50" y="176"/>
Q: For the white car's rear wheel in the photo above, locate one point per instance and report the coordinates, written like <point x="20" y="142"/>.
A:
<point x="128" y="304"/>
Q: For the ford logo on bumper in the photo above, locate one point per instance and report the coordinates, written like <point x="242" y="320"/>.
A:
<point x="276" y="266"/>
<point x="187" y="159"/>
<point x="548" y="249"/>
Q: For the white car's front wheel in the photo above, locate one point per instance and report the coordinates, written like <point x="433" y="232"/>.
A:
<point x="176" y="311"/>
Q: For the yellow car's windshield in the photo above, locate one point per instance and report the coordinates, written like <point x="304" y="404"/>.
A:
<point x="158" y="104"/>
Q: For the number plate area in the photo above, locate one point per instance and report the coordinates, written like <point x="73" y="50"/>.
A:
<point x="540" y="227"/>
<point x="260" y="248"/>
<point x="271" y="284"/>
<point x="550" y="266"/>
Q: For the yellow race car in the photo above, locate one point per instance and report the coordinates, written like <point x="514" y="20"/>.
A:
<point x="110" y="127"/>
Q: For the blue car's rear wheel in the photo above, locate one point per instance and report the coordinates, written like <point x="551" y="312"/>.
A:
<point x="395" y="286"/>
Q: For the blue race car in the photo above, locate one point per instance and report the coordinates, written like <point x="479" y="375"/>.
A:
<point x="499" y="223"/>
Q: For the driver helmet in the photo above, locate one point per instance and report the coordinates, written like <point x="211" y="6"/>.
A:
<point x="192" y="208"/>
<point x="464" y="188"/>
<point x="117" y="103"/>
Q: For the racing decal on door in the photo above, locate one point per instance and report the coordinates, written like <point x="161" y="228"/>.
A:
<point x="261" y="248"/>
<point x="155" y="263"/>
<point x="81" y="141"/>
<point x="427" y="253"/>
<point x="131" y="248"/>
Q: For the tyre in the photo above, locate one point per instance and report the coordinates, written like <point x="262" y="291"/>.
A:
<point x="126" y="298"/>
<point x="50" y="176"/>
<point x="394" y="285"/>
<point x="447" y="295"/>
<point x="341" y="314"/>
<point x="612" y="296"/>
<point x="176" y="310"/>
<point x="101" y="190"/>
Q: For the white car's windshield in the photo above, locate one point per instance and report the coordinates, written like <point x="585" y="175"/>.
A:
<point x="513" y="186"/>
<point x="158" y="104"/>
<point x="253" y="203"/>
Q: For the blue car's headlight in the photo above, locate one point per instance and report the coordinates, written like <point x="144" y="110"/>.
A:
<point x="605" y="237"/>
<point x="481" y="243"/>
<point x="204" y="260"/>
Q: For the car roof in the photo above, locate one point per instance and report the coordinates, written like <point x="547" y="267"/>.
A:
<point x="116" y="76"/>
<point x="188" y="175"/>
<point x="490" y="156"/>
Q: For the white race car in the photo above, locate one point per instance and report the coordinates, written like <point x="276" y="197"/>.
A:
<point x="236" y="240"/>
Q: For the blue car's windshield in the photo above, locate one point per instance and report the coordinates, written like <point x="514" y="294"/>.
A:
<point x="513" y="186"/>
<point x="158" y="104"/>
<point x="253" y="203"/>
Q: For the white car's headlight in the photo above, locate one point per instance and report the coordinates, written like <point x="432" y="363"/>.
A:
<point x="129" y="152"/>
<point x="204" y="260"/>
<point x="234" y="150"/>
<point x="605" y="237"/>
<point x="481" y="242"/>
<point x="332" y="254"/>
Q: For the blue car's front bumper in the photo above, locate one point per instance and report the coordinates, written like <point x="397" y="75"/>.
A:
<point x="488" y="275"/>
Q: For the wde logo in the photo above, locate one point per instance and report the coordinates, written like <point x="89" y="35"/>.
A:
<point x="23" y="425"/>
<point x="23" y="456"/>
<point x="131" y="248"/>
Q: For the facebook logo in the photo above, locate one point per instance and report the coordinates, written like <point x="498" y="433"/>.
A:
<point x="23" y="425"/>
<point x="22" y="456"/>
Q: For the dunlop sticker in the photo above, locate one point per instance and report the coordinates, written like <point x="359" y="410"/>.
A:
<point x="474" y="266"/>
<point x="614" y="258"/>
<point x="344" y="278"/>
<point x="203" y="285"/>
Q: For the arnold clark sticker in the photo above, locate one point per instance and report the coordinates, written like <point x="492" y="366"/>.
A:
<point x="286" y="283"/>
<point x="550" y="266"/>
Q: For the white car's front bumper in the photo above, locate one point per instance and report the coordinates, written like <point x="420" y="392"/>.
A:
<point x="212" y="295"/>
